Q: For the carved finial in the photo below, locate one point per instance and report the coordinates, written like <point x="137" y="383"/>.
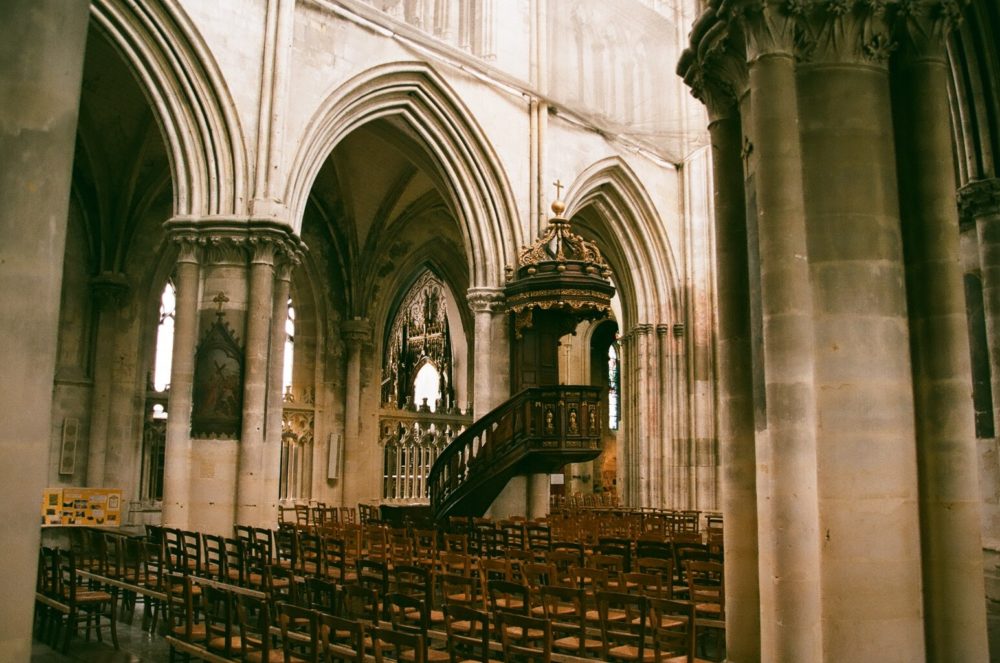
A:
<point x="558" y="206"/>
<point x="220" y="299"/>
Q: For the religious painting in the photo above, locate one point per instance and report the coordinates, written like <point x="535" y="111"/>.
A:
<point x="218" y="385"/>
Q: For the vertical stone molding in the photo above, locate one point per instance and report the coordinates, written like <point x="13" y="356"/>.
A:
<point x="645" y="414"/>
<point x="356" y="333"/>
<point x="286" y="263"/>
<point x="790" y="559"/>
<point x="867" y="470"/>
<point x="251" y="502"/>
<point x="947" y="458"/>
<point x="177" y="460"/>
<point x="979" y="202"/>
<point x="715" y="69"/>
<point x="109" y="291"/>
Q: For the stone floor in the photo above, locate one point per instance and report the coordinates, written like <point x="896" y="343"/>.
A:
<point x="137" y="646"/>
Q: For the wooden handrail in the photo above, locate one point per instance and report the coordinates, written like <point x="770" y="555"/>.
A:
<point x="556" y="420"/>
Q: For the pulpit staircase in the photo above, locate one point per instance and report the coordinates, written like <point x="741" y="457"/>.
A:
<point x="537" y="431"/>
<point x="560" y="280"/>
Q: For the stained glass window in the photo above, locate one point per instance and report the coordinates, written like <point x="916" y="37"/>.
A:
<point x="613" y="387"/>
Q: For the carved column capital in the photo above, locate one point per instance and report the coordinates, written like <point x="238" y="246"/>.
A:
<point x="843" y="31"/>
<point x="979" y="198"/>
<point x="923" y="26"/>
<point x="356" y="332"/>
<point x="109" y="289"/>
<point x="485" y="300"/>
<point x="188" y="245"/>
<point x="714" y="66"/>
<point x="770" y="27"/>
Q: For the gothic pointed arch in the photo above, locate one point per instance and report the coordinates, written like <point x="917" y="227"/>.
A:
<point x="412" y="94"/>
<point x="609" y="202"/>
<point x="191" y="102"/>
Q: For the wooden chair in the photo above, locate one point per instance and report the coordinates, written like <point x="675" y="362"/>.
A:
<point x="254" y="619"/>
<point x="565" y="609"/>
<point x="398" y="646"/>
<point x="707" y="593"/>
<point x="411" y="614"/>
<point x="85" y="601"/>
<point x="507" y="596"/>
<point x="460" y="590"/>
<point x="337" y="634"/>
<point x="322" y="595"/>
<point x="221" y="621"/>
<point x="182" y="622"/>
<point x="214" y="561"/>
<point x="416" y="581"/>
<point x="673" y="631"/>
<point x="525" y="638"/>
<point x="334" y="559"/>
<point x="359" y="602"/>
<point x="624" y="624"/>
<point x="309" y="558"/>
<point x="299" y="633"/>
<point x="468" y="634"/>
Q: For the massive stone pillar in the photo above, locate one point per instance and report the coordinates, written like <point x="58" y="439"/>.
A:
<point x="870" y="553"/>
<point x="719" y="80"/>
<point x="177" y="453"/>
<point x="491" y="387"/>
<point x="218" y="466"/>
<point x="42" y="54"/>
<point x="955" y="614"/>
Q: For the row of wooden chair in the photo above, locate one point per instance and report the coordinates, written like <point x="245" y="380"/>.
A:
<point x="63" y="596"/>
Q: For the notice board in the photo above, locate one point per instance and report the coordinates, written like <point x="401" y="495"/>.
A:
<point x="82" y="507"/>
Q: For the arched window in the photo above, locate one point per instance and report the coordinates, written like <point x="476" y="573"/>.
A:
<point x="286" y="379"/>
<point x="154" y="434"/>
<point x="296" y="428"/>
<point x="614" y="385"/>
<point x="165" y="338"/>
<point x="427" y="387"/>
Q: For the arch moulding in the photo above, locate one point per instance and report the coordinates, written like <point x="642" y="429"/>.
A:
<point x="480" y="193"/>
<point x="189" y="98"/>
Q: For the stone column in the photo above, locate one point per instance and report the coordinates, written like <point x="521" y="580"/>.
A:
<point x="42" y="54"/>
<point x="251" y="502"/>
<point x="867" y="471"/>
<point x="955" y="614"/>
<point x="491" y="351"/>
<point x="177" y="460"/>
<point x="980" y="201"/>
<point x="109" y="292"/>
<point x="792" y="567"/>
<point x="275" y="376"/>
<point x="719" y="80"/>
<point x="356" y="333"/>
<point x="665" y="398"/>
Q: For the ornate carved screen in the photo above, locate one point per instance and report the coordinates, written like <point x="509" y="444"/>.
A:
<point x="418" y="417"/>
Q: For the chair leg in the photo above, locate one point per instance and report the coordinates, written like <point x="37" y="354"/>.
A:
<point x="71" y="620"/>
<point x="114" y="619"/>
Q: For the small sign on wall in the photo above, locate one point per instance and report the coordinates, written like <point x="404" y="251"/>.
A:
<point x="82" y="507"/>
<point x="67" y="453"/>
